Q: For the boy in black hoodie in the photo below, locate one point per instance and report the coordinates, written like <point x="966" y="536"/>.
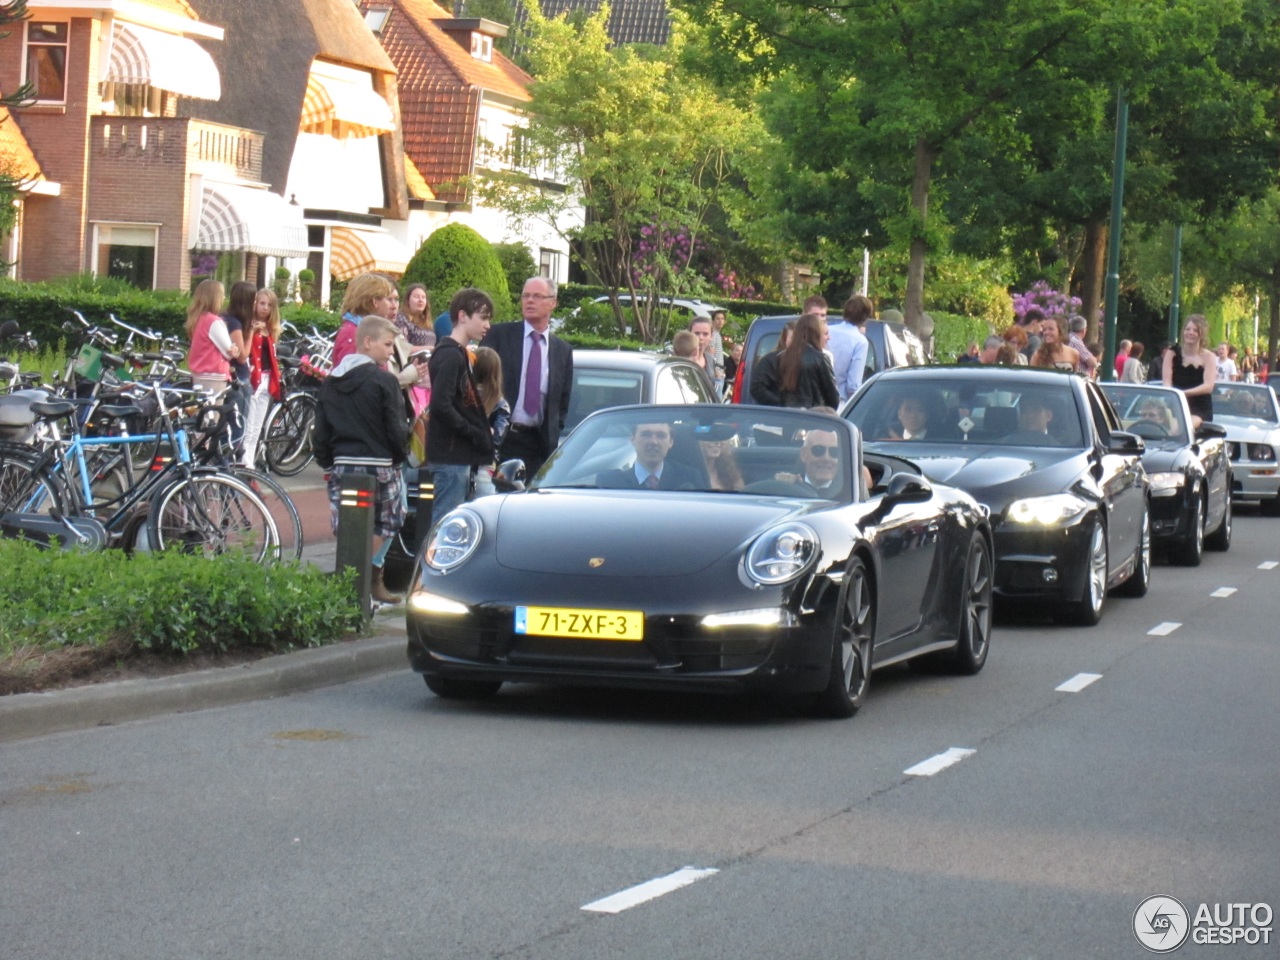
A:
<point x="361" y="427"/>
<point x="459" y="438"/>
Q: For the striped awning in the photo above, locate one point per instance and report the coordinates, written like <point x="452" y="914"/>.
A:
<point x="353" y="251"/>
<point x="341" y="108"/>
<point x="178" y="64"/>
<point x="235" y="218"/>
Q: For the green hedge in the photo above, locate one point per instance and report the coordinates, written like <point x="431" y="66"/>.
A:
<point x="52" y="600"/>
<point x="953" y="333"/>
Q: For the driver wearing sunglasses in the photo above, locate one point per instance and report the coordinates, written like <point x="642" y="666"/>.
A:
<point x="820" y="460"/>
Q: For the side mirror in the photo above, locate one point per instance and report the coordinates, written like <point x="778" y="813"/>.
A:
<point x="509" y="477"/>
<point x="1211" y="431"/>
<point x="907" y="488"/>
<point x="1126" y="444"/>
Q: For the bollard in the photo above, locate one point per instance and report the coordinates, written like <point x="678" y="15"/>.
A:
<point x="422" y="512"/>
<point x="355" y="533"/>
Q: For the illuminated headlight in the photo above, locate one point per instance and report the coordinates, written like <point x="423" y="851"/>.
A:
<point x="1165" y="484"/>
<point x="453" y="541"/>
<point x="782" y="554"/>
<point x="1260" y="451"/>
<point x="425" y="602"/>
<point x="768" y="617"/>
<point x="1057" y="510"/>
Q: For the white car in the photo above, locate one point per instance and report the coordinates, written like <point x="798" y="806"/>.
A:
<point x="1251" y="415"/>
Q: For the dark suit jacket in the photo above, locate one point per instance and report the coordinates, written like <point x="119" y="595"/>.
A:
<point x="508" y="340"/>
<point x="675" y="476"/>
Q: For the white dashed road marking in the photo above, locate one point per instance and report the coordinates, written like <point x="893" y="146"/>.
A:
<point x="1223" y="592"/>
<point x="1163" y="630"/>
<point x="927" y="768"/>
<point x="650" y="890"/>
<point x="1268" y="565"/>
<point x="1078" y="682"/>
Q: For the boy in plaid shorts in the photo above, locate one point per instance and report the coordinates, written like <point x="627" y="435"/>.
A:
<point x="361" y="427"/>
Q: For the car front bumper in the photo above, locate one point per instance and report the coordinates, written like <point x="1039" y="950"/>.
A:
<point x="1041" y="563"/>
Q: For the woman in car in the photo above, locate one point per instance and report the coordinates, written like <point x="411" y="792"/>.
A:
<point x="1054" y="352"/>
<point x="1193" y="368"/>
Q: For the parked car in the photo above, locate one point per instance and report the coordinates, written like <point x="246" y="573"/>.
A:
<point x="615" y="378"/>
<point x="683" y="309"/>
<point x="1248" y="411"/>
<point x="1045" y="453"/>
<point x="888" y="345"/>
<point x="592" y="578"/>
<point x="1188" y="470"/>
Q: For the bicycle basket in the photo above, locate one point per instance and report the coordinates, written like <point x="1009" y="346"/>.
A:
<point x="88" y="365"/>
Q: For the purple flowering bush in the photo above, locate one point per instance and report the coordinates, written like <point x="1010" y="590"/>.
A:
<point x="1053" y="302"/>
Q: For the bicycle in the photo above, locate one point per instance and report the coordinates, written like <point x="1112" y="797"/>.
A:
<point x="44" y="492"/>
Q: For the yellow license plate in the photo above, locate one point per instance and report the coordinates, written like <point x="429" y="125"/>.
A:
<point x="580" y="624"/>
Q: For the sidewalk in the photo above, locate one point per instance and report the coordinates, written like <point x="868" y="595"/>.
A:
<point x="76" y="708"/>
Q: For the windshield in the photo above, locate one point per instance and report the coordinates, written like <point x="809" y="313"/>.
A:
<point x="1247" y="401"/>
<point x="941" y="410"/>
<point x="772" y="452"/>
<point x="1151" y="414"/>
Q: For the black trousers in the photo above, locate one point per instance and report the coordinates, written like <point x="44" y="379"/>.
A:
<point x="526" y="445"/>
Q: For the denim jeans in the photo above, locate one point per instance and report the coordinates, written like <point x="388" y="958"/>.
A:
<point x="451" y="481"/>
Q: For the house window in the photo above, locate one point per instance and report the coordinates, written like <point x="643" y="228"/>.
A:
<point x="376" y="18"/>
<point x="549" y="264"/>
<point x="482" y="46"/>
<point x="47" y="61"/>
<point x="133" y="100"/>
<point x="126" y="251"/>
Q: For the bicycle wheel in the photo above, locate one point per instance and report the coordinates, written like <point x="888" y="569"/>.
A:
<point x="212" y="514"/>
<point x="286" y="436"/>
<point x="283" y="510"/>
<point x="28" y="487"/>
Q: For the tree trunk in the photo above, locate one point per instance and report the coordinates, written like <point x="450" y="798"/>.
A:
<point x="913" y="307"/>
<point x="1093" y="275"/>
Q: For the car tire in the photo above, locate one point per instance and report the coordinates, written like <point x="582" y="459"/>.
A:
<point x="1189" y="551"/>
<point x="1220" y="539"/>
<point x="970" y="654"/>
<point x="1087" y="610"/>
<point x="851" y="648"/>
<point x="451" y="688"/>
<point x="1270" y="507"/>
<point x="1139" y="581"/>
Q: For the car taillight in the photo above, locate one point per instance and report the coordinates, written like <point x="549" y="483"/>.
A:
<point x="737" y="382"/>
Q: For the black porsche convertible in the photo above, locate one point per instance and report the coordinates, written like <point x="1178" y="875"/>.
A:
<point x="709" y="548"/>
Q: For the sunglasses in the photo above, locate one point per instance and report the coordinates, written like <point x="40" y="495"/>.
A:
<point x="818" y="450"/>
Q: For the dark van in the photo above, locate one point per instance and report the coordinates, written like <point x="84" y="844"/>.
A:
<point x="888" y="345"/>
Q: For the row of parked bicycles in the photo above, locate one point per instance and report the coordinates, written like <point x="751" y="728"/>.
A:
<point x="120" y="450"/>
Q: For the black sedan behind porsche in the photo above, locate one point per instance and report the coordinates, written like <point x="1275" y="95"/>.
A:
<point x="705" y="547"/>
<point x="1188" y="470"/>
<point x="1044" y="451"/>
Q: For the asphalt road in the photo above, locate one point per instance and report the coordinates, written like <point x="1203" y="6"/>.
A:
<point x="372" y="820"/>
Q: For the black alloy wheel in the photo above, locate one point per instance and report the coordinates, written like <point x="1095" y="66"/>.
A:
<point x="1139" y="581"/>
<point x="970" y="654"/>
<point x="1087" y="611"/>
<point x="1220" y="539"/>
<point x="1190" y="550"/>
<point x="851" y="648"/>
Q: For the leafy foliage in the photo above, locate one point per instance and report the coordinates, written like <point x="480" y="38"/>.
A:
<point x="455" y="256"/>
<point x="517" y="263"/>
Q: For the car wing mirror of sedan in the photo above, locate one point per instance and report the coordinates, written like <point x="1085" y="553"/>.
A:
<point x="906" y="488"/>
<point x="1126" y="444"/>
<point x="509" y="477"/>
<point x="1211" y="431"/>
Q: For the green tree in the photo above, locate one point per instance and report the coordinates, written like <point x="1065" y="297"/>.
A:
<point x="639" y="141"/>
<point x="517" y="264"/>
<point x="455" y="256"/>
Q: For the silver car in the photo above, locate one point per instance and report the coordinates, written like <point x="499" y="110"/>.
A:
<point x="1251" y="415"/>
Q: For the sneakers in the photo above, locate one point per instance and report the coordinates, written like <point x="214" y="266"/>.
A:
<point x="378" y="591"/>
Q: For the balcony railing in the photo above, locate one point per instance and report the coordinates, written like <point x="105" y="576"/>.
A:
<point x="200" y="145"/>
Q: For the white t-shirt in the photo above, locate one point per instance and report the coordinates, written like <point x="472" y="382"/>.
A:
<point x="1227" y="369"/>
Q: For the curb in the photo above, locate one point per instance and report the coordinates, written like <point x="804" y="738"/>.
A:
<point x="26" y="715"/>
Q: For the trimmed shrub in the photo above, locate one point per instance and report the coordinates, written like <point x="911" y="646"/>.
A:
<point x="953" y="333"/>
<point x="41" y="308"/>
<point x="453" y="257"/>
<point x="517" y="264"/>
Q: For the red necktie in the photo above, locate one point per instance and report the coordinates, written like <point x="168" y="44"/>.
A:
<point x="651" y="481"/>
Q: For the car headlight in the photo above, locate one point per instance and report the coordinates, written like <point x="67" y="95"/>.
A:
<point x="425" y="602"/>
<point x="782" y="554"/>
<point x="1260" y="451"/>
<point x="1055" y="510"/>
<point x="1165" y="484"/>
<point x="453" y="541"/>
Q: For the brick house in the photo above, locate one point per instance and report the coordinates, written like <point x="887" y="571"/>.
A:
<point x="110" y="79"/>
<point x="461" y="102"/>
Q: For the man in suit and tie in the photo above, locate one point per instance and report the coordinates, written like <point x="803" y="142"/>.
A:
<point x="537" y="375"/>
<point x="819" y="463"/>
<point x="652" y="443"/>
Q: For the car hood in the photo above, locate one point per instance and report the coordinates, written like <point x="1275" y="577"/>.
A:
<point x="625" y="534"/>
<point x="994" y="475"/>
<point x="1247" y="431"/>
